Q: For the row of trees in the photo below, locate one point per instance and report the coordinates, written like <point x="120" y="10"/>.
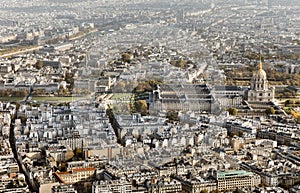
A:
<point x="143" y="87"/>
<point x="234" y="111"/>
<point x="296" y="115"/>
<point x="39" y="92"/>
<point x="135" y="87"/>
<point x="139" y="106"/>
<point x="124" y="87"/>
<point x="13" y="93"/>
<point x="292" y="103"/>
<point x="62" y="92"/>
<point x="237" y="75"/>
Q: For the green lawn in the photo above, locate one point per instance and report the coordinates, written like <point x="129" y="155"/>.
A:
<point x="57" y="99"/>
<point x="11" y="99"/>
<point x="120" y="96"/>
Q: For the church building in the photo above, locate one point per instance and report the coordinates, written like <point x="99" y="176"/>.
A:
<point x="192" y="97"/>
<point x="260" y="90"/>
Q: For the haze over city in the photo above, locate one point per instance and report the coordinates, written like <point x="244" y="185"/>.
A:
<point x="148" y="96"/>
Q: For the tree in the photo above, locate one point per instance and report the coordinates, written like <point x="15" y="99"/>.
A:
<point x="39" y="64"/>
<point x="181" y="63"/>
<point x="141" y="107"/>
<point x="270" y="111"/>
<point x="3" y="93"/>
<point x="62" y="91"/>
<point x="23" y="119"/>
<point x="20" y="93"/>
<point x="232" y="111"/>
<point x="78" y="154"/>
<point x="172" y="116"/>
<point x="289" y="103"/>
<point x="298" y="120"/>
<point x="17" y="104"/>
<point x="126" y="57"/>
<point x="143" y="87"/>
<point x="153" y="83"/>
<point x="240" y="133"/>
<point x="62" y="166"/>
<point x="120" y="87"/>
<point x="38" y="92"/>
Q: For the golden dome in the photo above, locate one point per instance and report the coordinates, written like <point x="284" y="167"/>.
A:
<point x="260" y="73"/>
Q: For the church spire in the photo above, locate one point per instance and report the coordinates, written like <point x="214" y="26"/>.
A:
<point x="260" y="63"/>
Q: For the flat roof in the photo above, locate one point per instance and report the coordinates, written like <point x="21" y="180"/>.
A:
<point x="233" y="173"/>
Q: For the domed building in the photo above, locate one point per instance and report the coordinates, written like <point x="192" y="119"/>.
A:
<point x="260" y="90"/>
